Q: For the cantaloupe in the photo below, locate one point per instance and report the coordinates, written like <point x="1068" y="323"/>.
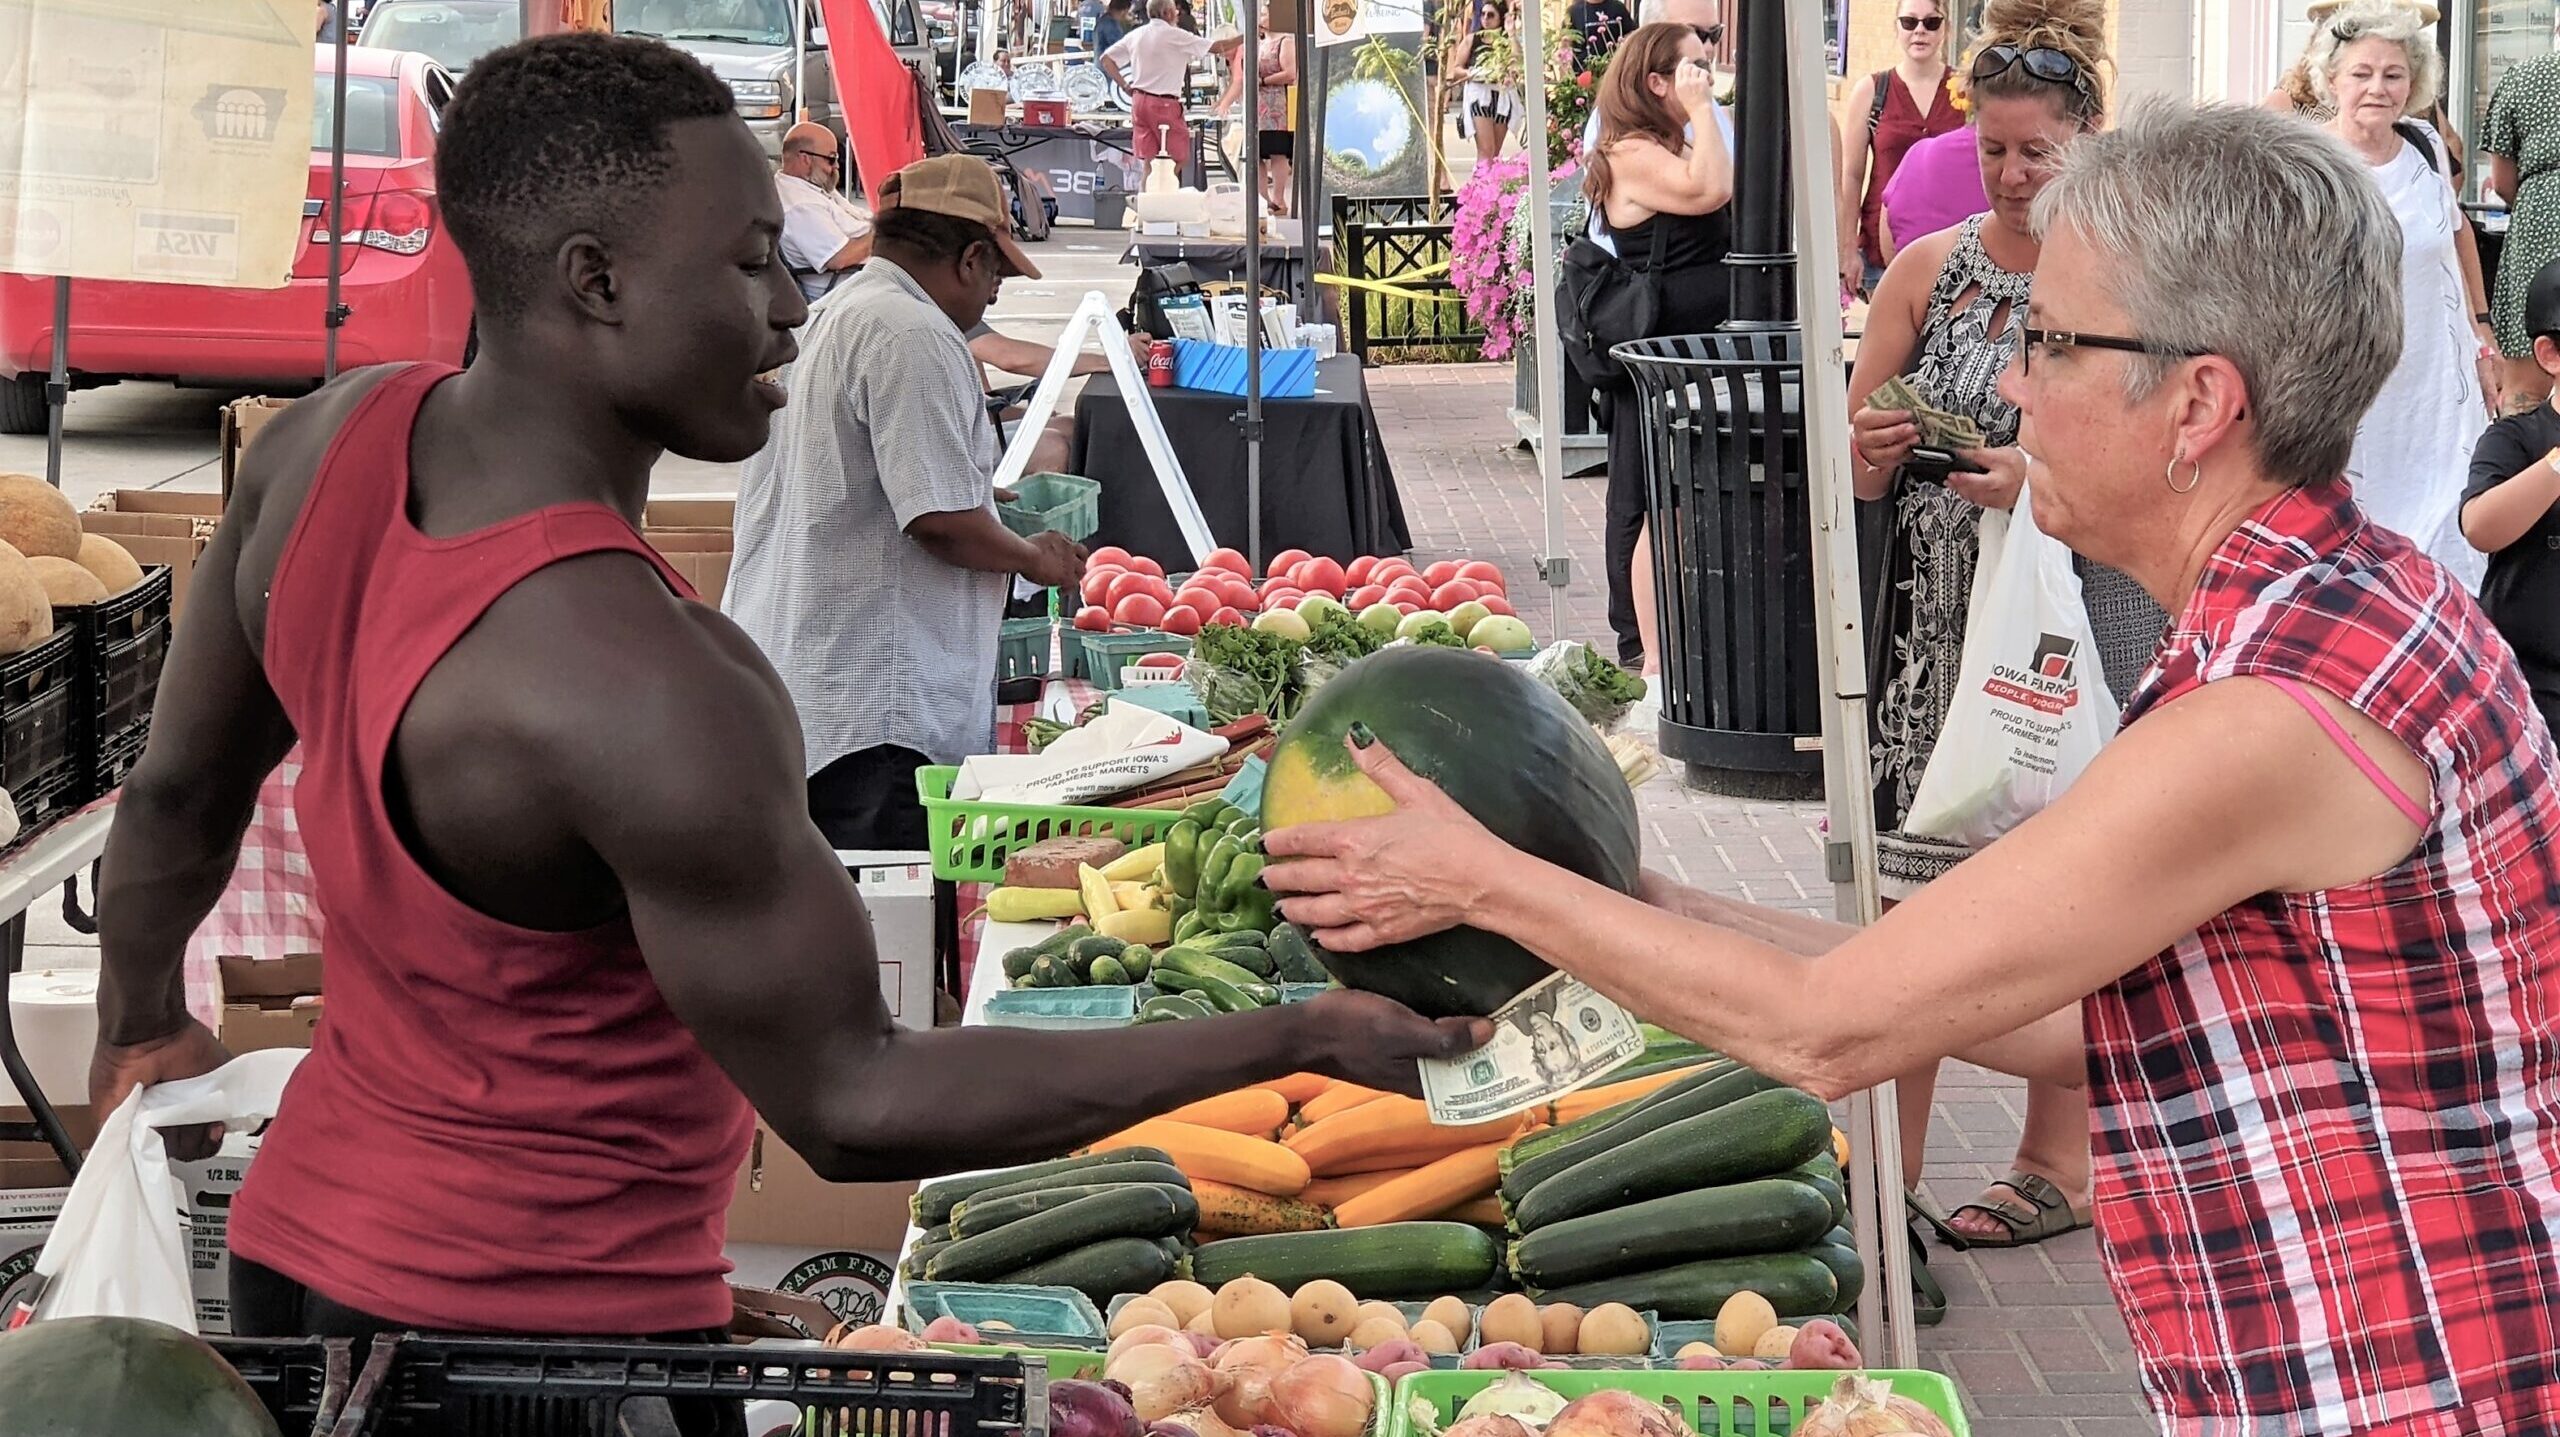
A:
<point x="108" y="560"/>
<point x="36" y="519"/>
<point x="26" y="611"/>
<point x="67" y="583"/>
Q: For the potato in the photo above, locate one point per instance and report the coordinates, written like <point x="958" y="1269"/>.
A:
<point x="1775" y="1343"/>
<point x="1382" y="1312"/>
<point x="1206" y="1324"/>
<point x="1250" y="1307"/>
<point x="1432" y="1337"/>
<point x="1187" y="1299"/>
<point x="1614" y="1329"/>
<point x="1741" y="1321"/>
<point x="1452" y="1314"/>
<point x="1377" y="1332"/>
<point x="1144" y="1312"/>
<point x="1511" y="1318"/>
<point x="1562" y="1324"/>
<point x="1324" y="1312"/>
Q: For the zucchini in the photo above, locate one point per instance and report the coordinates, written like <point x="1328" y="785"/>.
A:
<point x="1838" y="1251"/>
<point x="1685" y="1098"/>
<point x="932" y="1204"/>
<point x="1546" y="1140"/>
<point x="1796" y="1283"/>
<point x="922" y="1252"/>
<point x="1754" y="1137"/>
<point x="1131" y="1169"/>
<point x="1391" y="1260"/>
<point x="1105" y="1269"/>
<point x="1768" y="1215"/>
<point x="1823" y="1176"/>
<point x="1133" y="1211"/>
<point x="977" y="1215"/>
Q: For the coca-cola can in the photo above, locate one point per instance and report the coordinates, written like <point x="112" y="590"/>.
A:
<point x="1160" y="364"/>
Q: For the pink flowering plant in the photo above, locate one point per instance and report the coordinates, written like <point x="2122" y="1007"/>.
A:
<point x="1489" y="242"/>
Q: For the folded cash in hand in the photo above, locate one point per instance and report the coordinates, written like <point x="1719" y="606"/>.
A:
<point x="1939" y="428"/>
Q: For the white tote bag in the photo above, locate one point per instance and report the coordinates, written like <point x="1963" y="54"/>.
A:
<point x="119" y="1249"/>
<point x="2031" y="707"/>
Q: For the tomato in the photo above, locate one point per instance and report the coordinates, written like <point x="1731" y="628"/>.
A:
<point x="1481" y="574"/>
<point x="1495" y="604"/>
<point x="1408" y="609"/>
<point x="1094" y="619"/>
<point x="1228" y="560"/>
<point x="1451" y="594"/>
<point x="1356" y="573"/>
<point x="1321" y="573"/>
<point x="1163" y="591"/>
<point x="1386" y="570"/>
<point x="1143" y="611"/>
<point x="1110" y="554"/>
<point x="1440" y="573"/>
<point x="1407" y="587"/>
<point x="1228" y="617"/>
<point x="1180" y="619"/>
<point x="1366" y="595"/>
<point x="1143" y="565"/>
<point x="1122" y="586"/>
<point x="1199" y="599"/>
<point x="1284" y="561"/>
<point x="1281" y="598"/>
<point x="1097" y="582"/>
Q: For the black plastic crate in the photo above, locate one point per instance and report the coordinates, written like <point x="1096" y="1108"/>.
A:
<point x="39" y="731"/>
<point x="303" y="1381"/>
<point x="122" y="645"/>
<point x="503" y="1387"/>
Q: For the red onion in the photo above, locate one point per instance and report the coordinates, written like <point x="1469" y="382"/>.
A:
<point x="1091" y="1409"/>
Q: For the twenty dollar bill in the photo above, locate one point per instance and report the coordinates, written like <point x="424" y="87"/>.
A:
<point x="1550" y="1040"/>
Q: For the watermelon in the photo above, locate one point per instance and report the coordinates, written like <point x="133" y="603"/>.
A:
<point x="123" y="1377"/>
<point x="1508" y="750"/>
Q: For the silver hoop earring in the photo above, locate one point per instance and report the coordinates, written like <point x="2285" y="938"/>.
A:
<point x="2195" y="475"/>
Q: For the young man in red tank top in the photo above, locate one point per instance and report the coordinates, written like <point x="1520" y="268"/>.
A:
<point x="579" y="919"/>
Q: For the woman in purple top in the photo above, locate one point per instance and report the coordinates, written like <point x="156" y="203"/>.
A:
<point x="1937" y="186"/>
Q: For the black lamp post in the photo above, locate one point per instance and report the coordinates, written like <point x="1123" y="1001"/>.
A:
<point x="1763" y="262"/>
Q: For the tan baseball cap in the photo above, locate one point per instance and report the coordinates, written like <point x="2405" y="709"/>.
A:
<point x="963" y="187"/>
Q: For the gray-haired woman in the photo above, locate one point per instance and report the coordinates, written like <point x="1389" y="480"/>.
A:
<point x="2296" y="929"/>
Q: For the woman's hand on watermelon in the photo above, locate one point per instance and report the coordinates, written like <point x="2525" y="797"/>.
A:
<point x="1372" y="882"/>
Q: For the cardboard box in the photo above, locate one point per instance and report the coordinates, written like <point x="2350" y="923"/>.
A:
<point x="794" y="1232"/>
<point x="696" y="536"/>
<point x="987" y="107"/>
<point x="158" y="527"/>
<point x="898" y="889"/>
<point x="241" y="421"/>
<point x="210" y="1186"/>
<point x="268" y="1002"/>
<point x="26" y="1220"/>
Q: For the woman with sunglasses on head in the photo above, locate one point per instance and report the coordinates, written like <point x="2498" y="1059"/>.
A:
<point x="1902" y="106"/>
<point x="2375" y="64"/>
<point x="1947" y="318"/>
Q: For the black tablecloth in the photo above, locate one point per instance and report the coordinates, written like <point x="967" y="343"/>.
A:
<point x="1327" y="487"/>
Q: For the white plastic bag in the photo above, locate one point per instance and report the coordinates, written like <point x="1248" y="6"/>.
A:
<point x="119" y="1249"/>
<point x="2031" y="707"/>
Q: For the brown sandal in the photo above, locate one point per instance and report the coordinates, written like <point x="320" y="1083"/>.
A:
<point x="2040" y="1211"/>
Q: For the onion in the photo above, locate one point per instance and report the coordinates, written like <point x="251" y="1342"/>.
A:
<point x="1324" y="1396"/>
<point x="1203" y="1345"/>
<point x="1525" y="1400"/>
<point x="1249" y="1365"/>
<point x="1148" y="1334"/>
<point x="1610" y="1412"/>
<point x="1195" y="1422"/>
<point x="1091" y="1409"/>
<point x="1488" y="1427"/>
<point x="1861" y="1406"/>
<point x="1163" y="1380"/>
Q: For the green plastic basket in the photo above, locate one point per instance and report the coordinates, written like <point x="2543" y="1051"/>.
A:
<point x="972" y="839"/>
<point x="1714" y="1404"/>
<point x="1099" y="658"/>
<point x="1022" y="652"/>
<point x="1054" y="503"/>
<point x="1063" y="1364"/>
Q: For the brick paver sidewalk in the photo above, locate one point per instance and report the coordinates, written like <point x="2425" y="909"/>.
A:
<point x="2031" y="1332"/>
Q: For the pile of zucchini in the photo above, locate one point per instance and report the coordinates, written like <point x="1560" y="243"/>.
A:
<point x="1102" y="1224"/>
<point x="1722" y="1182"/>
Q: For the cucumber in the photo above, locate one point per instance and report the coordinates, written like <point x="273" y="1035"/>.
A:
<point x="1019" y="961"/>
<point x="1673" y="1102"/>
<point x="1391" y="1260"/>
<point x="1087" y="951"/>
<point x="1764" y="1216"/>
<point x="1137" y="958"/>
<point x="1104" y="1269"/>
<point x="1192" y="961"/>
<point x="1823" y="1176"/>
<point x="1107" y="973"/>
<point x="932" y="1204"/>
<point x="1755" y="1137"/>
<point x="1107" y="1174"/>
<point x="1796" y="1283"/>
<point x="1547" y="1140"/>
<point x="1172" y="1007"/>
<point x="1241" y="938"/>
<point x="1052" y="971"/>
<point x="1292" y="959"/>
<point x="977" y="1215"/>
<point x="1134" y="1211"/>
<point x="1838" y="1251"/>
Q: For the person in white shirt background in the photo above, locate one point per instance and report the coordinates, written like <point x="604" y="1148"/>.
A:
<point x="825" y="236"/>
<point x="1153" y="63"/>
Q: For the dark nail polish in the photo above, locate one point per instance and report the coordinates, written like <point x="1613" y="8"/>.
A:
<point x="1361" y="737"/>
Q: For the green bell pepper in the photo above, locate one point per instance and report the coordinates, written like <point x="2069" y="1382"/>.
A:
<point x="1182" y="859"/>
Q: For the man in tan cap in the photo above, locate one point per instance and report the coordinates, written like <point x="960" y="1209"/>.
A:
<point x="871" y="565"/>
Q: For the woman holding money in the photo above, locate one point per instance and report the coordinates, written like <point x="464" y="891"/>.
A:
<point x="1944" y="326"/>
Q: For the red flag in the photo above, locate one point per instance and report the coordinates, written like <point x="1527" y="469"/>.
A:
<point x="875" y="91"/>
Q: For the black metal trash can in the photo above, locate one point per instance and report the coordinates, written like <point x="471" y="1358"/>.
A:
<point x="1731" y="524"/>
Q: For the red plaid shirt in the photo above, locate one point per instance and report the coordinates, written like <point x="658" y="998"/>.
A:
<point x="2327" y="1124"/>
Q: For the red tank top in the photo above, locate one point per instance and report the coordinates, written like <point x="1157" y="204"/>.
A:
<point x="1899" y="126"/>
<point x="498" y="1129"/>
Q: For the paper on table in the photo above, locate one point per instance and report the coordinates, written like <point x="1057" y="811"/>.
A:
<point x="1123" y="748"/>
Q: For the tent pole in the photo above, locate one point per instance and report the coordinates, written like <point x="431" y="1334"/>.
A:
<point x="1553" y="564"/>
<point x="1875" y="1174"/>
<point x="1248" y="63"/>
<point x="337" y="315"/>
<point x="57" y="393"/>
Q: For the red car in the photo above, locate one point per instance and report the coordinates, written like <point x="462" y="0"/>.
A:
<point x="402" y="279"/>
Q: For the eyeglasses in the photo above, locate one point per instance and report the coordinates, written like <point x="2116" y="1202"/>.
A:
<point x="2071" y="339"/>
<point x="1708" y="34"/>
<point x="2051" y="66"/>
<point x="1929" y="23"/>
